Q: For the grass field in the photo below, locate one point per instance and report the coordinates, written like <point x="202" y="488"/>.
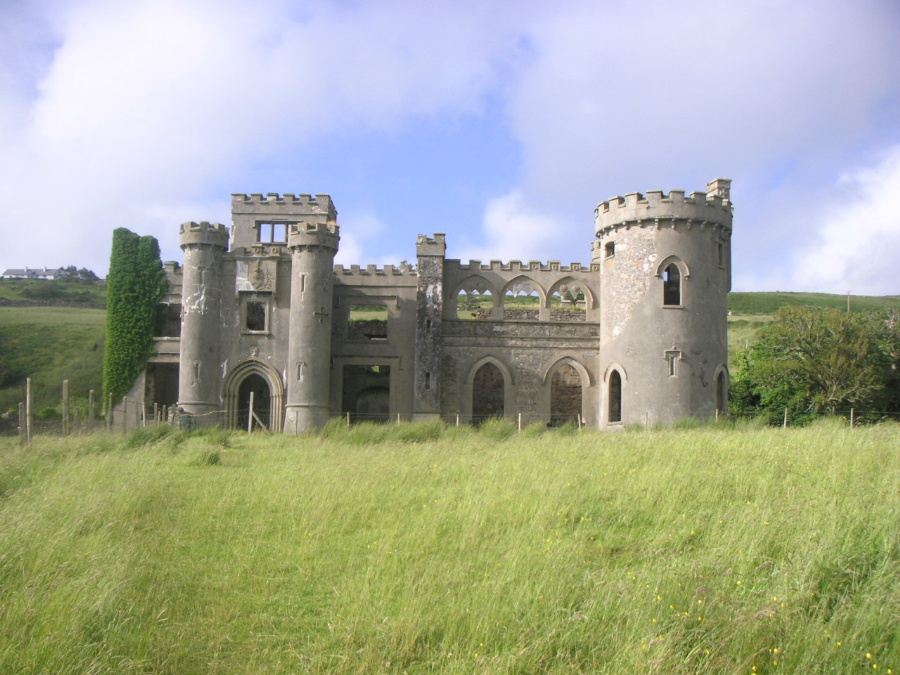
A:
<point x="713" y="550"/>
<point x="51" y="344"/>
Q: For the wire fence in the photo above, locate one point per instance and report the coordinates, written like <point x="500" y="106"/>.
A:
<point x="84" y="413"/>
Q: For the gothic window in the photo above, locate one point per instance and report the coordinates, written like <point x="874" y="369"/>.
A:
<point x="615" y="397"/>
<point x="568" y="302"/>
<point x="671" y="286"/>
<point x="521" y="301"/>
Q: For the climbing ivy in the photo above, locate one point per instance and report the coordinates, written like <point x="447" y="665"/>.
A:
<point x="135" y="286"/>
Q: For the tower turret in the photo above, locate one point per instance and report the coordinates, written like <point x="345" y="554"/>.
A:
<point x="200" y="360"/>
<point x="665" y="274"/>
<point x="312" y="247"/>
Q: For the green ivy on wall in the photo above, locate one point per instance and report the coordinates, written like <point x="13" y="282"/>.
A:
<point x="135" y="286"/>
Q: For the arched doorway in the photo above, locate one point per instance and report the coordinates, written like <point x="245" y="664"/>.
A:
<point x="256" y="386"/>
<point x="488" y="392"/>
<point x="373" y="404"/>
<point x="565" y="396"/>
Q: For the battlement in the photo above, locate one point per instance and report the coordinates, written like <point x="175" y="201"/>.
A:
<point x="433" y="246"/>
<point x="213" y="234"/>
<point x="711" y="207"/>
<point x="285" y="205"/>
<point x="313" y="234"/>
<point x="374" y="271"/>
<point x="519" y="266"/>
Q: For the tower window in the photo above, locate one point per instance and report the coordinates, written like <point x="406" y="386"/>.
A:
<point x="615" y="397"/>
<point x="272" y="233"/>
<point x="720" y="253"/>
<point x="672" y="286"/>
<point x="610" y="249"/>
<point x="255" y="317"/>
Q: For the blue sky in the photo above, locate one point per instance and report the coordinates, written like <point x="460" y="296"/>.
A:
<point x="502" y="124"/>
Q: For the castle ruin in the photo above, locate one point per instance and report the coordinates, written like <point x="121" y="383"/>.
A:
<point x="259" y="312"/>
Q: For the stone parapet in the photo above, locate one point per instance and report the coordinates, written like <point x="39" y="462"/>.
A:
<point x="203" y="233"/>
<point x="324" y="235"/>
<point x="711" y="208"/>
<point x="519" y="266"/>
<point x="286" y="205"/>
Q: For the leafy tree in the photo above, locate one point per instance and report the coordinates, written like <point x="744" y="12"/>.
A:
<point x="818" y="360"/>
<point x="72" y="273"/>
<point x="135" y="286"/>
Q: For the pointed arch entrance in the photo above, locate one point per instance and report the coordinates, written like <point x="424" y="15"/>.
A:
<point x="565" y="396"/>
<point x="488" y="393"/>
<point x="268" y="396"/>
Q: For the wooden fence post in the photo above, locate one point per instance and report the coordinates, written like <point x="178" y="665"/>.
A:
<point x="28" y="410"/>
<point x="65" y="408"/>
<point x="91" y="411"/>
<point x="21" y="423"/>
<point x="109" y="413"/>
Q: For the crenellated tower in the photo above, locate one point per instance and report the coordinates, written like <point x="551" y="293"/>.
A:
<point x="204" y="245"/>
<point x="312" y="247"/>
<point x="665" y="274"/>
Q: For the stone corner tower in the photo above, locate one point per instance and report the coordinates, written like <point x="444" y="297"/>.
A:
<point x="665" y="274"/>
<point x="204" y="245"/>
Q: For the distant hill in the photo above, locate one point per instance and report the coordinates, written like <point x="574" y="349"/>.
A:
<point x="43" y="292"/>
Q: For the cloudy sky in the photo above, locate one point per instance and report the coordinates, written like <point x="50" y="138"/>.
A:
<point x="500" y="123"/>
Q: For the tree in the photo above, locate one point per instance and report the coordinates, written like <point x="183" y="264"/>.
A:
<point x="136" y="285"/>
<point x="72" y="273"/>
<point x="818" y="360"/>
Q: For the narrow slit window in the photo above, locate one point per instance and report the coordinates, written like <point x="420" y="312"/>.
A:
<point x="615" y="397"/>
<point x="610" y="249"/>
<point x="672" y="359"/>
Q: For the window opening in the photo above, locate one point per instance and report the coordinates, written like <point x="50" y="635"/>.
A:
<point x="615" y="397"/>
<point x="255" y="316"/>
<point x="567" y="303"/>
<point x="367" y="322"/>
<point x="474" y="304"/>
<point x="610" y="249"/>
<point x="672" y="286"/>
<point x="272" y="233"/>
<point x="720" y="248"/>
<point x="521" y="302"/>
<point x="366" y="393"/>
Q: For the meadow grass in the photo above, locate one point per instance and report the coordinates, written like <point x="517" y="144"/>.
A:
<point x="714" y="549"/>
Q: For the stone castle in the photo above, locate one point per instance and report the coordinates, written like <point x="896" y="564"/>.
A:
<point x="263" y="330"/>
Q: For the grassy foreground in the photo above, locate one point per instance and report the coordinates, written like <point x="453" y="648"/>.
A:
<point x="684" y="551"/>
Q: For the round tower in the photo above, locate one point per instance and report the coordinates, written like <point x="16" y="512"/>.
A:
<point x="312" y="246"/>
<point x="665" y="274"/>
<point x="200" y="365"/>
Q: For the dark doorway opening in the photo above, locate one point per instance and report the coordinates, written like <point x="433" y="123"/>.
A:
<point x="262" y="403"/>
<point x="367" y="393"/>
<point x="565" y="396"/>
<point x="488" y="392"/>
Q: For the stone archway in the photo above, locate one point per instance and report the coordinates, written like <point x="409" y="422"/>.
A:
<point x="565" y="396"/>
<point x="267" y="388"/>
<point x="488" y="393"/>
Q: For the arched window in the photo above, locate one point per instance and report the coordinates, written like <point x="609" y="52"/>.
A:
<point x="565" y="396"/>
<point x="721" y="393"/>
<point x="615" y="397"/>
<point x="671" y="285"/>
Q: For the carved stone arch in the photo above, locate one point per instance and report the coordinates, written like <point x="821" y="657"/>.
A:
<point x="232" y="387"/>
<point x="673" y="260"/>
<point x="468" y="385"/>
<point x="613" y="408"/>
<point x="572" y="284"/>
<point x="566" y="359"/>
<point x="615" y="365"/>
<point x="526" y="286"/>
<point x="473" y="284"/>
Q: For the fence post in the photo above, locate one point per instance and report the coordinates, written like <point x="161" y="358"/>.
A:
<point x="852" y="411"/>
<point x="250" y="414"/>
<point x="457" y="419"/>
<point x="348" y="419"/>
<point x="65" y="408"/>
<point x="124" y="415"/>
<point x="520" y="422"/>
<point x="784" y="426"/>
<point x="109" y="413"/>
<point x="398" y="418"/>
<point x="21" y="423"/>
<point x="28" y="410"/>
<point x="91" y="408"/>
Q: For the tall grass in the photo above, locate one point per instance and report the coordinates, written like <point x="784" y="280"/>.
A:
<point x="682" y="551"/>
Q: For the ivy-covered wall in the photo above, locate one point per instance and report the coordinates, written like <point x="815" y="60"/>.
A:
<point x="135" y="286"/>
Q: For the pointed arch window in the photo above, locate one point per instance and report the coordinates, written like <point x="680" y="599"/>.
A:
<point x="615" y="397"/>
<point x="671" y="286"/>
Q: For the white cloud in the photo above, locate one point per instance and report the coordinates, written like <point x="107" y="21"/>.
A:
<point x="857" y="246"/>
